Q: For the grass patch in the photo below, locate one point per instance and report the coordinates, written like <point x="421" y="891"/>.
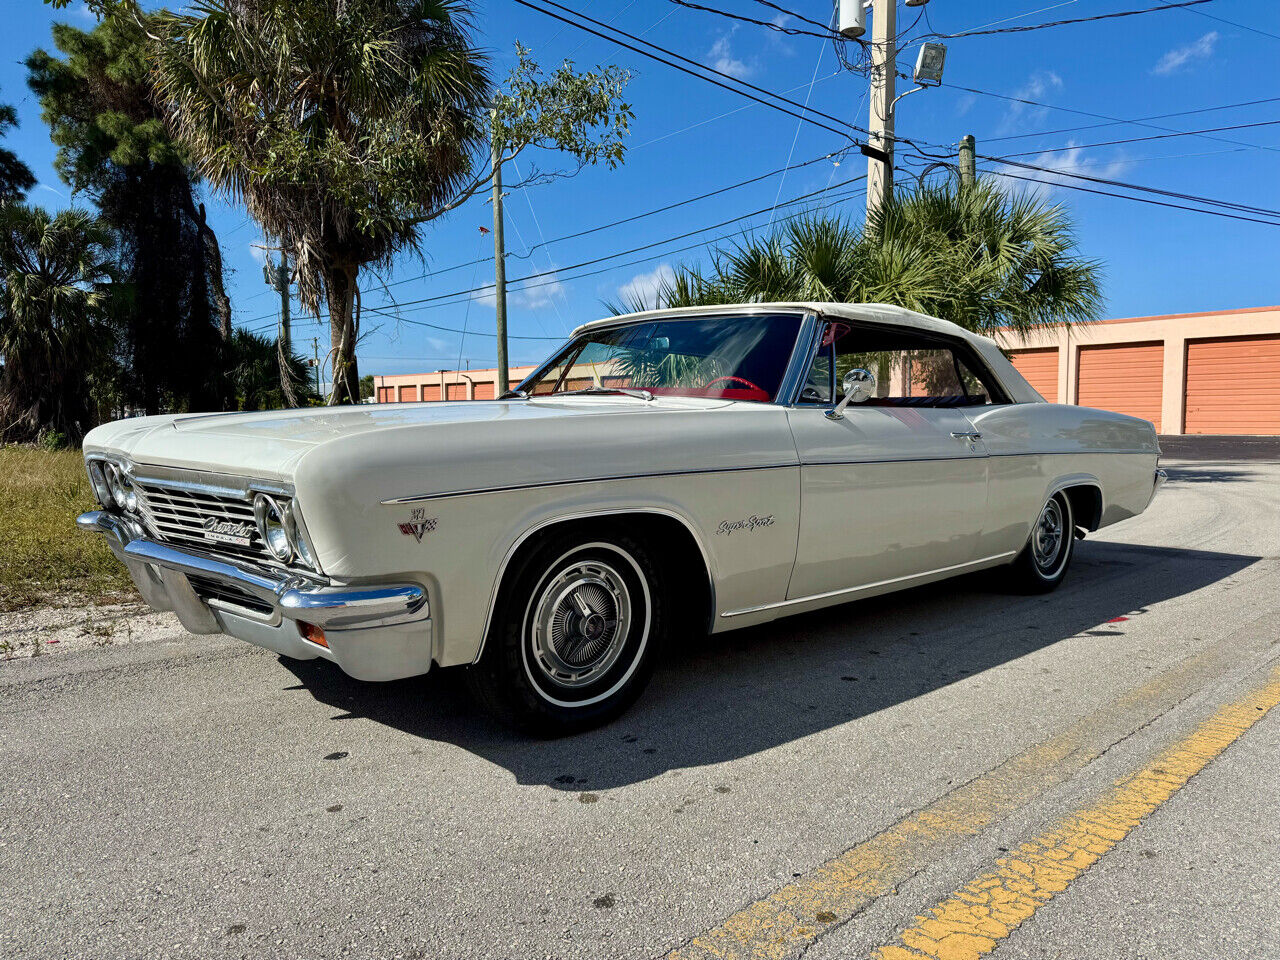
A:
<point x="42" y="554"/>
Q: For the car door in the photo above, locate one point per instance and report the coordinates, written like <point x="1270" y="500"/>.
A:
<point x="897" y="486"/>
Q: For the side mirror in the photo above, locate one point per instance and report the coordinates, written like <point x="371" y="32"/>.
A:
<point x="859" y="386"/>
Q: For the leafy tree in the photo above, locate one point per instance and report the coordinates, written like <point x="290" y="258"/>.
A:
<point x="113" y="145"/>
<point x="344" y="125"/>
<point x="366" y="386"/>
<point x="976" y="256"/>
<point x="15" y="176"/>
<point x="54" y="276"/>
<point x="255" y="374"/>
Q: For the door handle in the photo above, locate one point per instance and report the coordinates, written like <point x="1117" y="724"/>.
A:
<point x="961" y="435"/>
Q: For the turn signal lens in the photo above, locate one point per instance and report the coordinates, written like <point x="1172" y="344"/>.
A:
<point x="313" y="633"/>
<point x="99" y="482"/>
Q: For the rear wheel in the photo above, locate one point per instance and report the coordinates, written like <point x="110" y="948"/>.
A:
<point x="1043" y="563"/>
<point x="573" y="638"/>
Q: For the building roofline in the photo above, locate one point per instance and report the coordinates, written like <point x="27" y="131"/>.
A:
<point x="1184" y="316"/>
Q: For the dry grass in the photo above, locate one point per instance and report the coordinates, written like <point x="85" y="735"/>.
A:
<point x="42" y="554"/>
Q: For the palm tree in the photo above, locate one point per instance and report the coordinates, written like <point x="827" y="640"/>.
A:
<point x="54" y="275"/>
<point x="339" y="123"/>
<point x="977" y="256"/>
<point x="255" y="373"/>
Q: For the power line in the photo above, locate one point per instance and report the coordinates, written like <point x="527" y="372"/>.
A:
<point x="435" y="302"/>
<point x="826" y="34"/>
<point x="1121" y="196"/>
<point x="1242" y="26"/>
<point x="700" y="66"/>
<point x="1136" y="120"/>
<point x="792" y="13"/>
<point x="526" y="254"/>
<point x="1106" y="181"/>
<point x="1096" y="116"/>
<point x="622" y="253"/>
<point x="1158" y="136"/>
<point x="1062" y="23"/>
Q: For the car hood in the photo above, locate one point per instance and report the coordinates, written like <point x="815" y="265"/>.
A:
<point x="270" y="444"/>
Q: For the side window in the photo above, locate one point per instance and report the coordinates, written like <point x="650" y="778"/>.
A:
<point x="911" y="369"/>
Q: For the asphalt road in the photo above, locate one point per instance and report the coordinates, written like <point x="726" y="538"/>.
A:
<point x="818" y="786"/>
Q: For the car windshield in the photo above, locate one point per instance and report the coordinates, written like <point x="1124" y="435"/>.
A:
<point x="728" y="357"/>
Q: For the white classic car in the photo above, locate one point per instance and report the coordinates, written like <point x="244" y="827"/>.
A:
<point x="663" y="474"/>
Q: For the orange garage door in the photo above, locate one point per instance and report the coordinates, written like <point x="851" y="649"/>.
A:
<point x="1040" y="367"/>
<point x="1233" y="385"/>
<point x="1126" y="378"/>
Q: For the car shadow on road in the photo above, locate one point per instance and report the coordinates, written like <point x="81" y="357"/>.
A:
<point x="716" y="699"/>
<point x="1212" y="473"/>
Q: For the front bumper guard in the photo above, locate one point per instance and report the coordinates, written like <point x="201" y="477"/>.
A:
<point x="354" y="618"/>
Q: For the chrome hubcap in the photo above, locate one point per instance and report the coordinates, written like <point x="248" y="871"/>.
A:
<point x="580" y="623"/>
<point x="1046" y="540"/>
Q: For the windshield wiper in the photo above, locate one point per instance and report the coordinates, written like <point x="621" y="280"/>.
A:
<point x="514" y="395"/>
<point x="598" y="391"/>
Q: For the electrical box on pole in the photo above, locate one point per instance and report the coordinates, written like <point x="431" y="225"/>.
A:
<point x="851" y="18"/>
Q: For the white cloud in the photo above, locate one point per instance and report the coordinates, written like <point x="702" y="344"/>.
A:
<point x="644" y="287"/>
<point x="1037" y="86"/>
<point x="1179" y="57"/>
<point x="546" y="291"/>
<point x="1070" y="161"/>
<point x="722" y="58"/>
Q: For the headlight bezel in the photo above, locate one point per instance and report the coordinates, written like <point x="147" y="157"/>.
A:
<point x="117" y="490"/>
<point x="273" y="526"/>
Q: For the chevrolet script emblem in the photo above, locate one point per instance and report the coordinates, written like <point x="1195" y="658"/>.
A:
<point x="228" y="531"/>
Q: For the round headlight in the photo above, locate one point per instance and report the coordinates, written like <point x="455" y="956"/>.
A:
<point x="99" y="482"/>
<point x="271" y="527"/>
<point x="121" y="488"/>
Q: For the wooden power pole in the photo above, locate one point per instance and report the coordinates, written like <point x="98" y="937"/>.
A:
<point x="500" y="270"/>
<point x="884" y="56"/>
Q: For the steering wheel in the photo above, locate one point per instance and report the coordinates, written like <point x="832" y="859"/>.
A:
<point x="750" y="385"/>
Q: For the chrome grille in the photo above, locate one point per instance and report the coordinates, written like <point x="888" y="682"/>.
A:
<point x="178" y="515"/>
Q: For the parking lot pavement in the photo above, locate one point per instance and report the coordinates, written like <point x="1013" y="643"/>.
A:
<point x="811" y="786"/>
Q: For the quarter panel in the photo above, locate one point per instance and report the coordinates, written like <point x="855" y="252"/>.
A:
<point x="1038" y="448"/>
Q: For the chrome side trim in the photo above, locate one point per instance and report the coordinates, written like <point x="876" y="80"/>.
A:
<point x="582" y="515"/>
<point x="562" y="483"/>
<point x="954" y="568"/>
<point x="419" y="498"/>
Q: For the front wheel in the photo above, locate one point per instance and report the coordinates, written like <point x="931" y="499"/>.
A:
<point x="1043" y="563"/>
<point x="574" y="636"/>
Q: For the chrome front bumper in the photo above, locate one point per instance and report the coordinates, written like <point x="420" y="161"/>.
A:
<point x="376" y="632"/>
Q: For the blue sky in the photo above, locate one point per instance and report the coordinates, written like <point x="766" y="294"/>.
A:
<point x="689" y="138"/>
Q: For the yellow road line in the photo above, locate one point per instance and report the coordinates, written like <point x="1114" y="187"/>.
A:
<point x="972" y="921"/>
<point x="797" y="914"/>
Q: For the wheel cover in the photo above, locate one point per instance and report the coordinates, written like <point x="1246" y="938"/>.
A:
<point x="581" y="620"/>
<point x="1047" y="540"/>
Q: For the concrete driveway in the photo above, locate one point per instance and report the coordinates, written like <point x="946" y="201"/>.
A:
<point x="944" y="772"/>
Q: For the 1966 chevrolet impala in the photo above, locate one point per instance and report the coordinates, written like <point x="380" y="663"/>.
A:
<point x="663" y="474"/>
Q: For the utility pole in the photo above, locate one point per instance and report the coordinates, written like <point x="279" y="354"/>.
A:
<point x="968" y="163"/>
<point x="884" y="56"/>
<point x="278" y="277"/>
<point x="315" y="362"/>
<point x="499" y="269"/>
